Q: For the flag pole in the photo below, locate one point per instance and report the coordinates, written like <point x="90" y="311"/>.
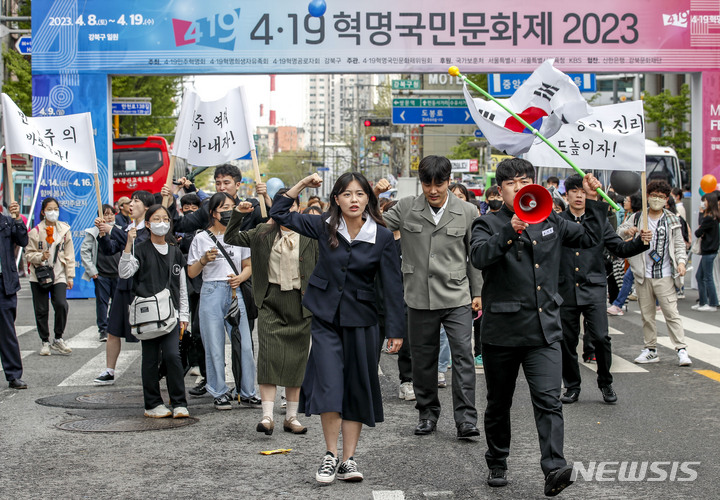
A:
<point x="8" y="178"/>
<point x="97" y="194"/>
<point x="256" y="168"/>
<point x="168" y="182"/>
<point x="455" y="71"/>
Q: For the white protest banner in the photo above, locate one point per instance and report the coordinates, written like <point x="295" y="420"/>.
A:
<point x="612" y="138"/>
<point x="210" y="133"/>
<point x="66" y="140"/>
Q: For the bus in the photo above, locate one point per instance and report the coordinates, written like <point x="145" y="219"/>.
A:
<point x="139" y="163"/>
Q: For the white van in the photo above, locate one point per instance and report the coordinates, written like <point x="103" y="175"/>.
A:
<point x="661" y="162"/>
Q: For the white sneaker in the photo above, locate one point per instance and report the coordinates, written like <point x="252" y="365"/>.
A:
<point x="160" y="411"/>
<point x="441" y="380"/>
<point x="180" y="412"/>
<point x="707" y="308"/>
<point x="695" y="307"/>
<point x="683" y="358"/>
<point x="194" y="371"/>
<point x="45" y="349"/>
<point x="60" y="346"/>
<point x="647" y="356"/>
<point x="407" y="392"/>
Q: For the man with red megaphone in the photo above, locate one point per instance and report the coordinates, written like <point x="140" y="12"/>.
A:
<point x="520" y="263"/>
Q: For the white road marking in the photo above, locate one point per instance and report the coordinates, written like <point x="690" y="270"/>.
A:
<point x="86" y="339"/>
<point x="22" y="330"/>
<point x="85" y="375"/>
<point x="696" y="350"/>
<point x="388" y="495"/>
<point x="691" y="325"/>
<point x="619" y="365"/>
<point x="614" y="331"/>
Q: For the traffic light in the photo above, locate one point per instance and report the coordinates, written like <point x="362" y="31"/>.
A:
<point x="379" y="138"/>
<point x="376" y="122"/>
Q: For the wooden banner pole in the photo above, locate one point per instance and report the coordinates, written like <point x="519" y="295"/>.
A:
<point x="256" y="168"/>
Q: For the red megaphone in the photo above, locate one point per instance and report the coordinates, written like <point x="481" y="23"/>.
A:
<point x="533" y="204"/>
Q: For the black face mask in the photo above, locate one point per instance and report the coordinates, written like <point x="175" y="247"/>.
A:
<point x="225" y="217"/>
<point x="495" y="204"/>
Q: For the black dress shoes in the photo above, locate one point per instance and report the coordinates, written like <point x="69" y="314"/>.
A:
<point x="497" y="478"/>
<point x="425" y="427"/>
<point x="608" y="394"/>
<point x="570" y="397"/>
<point x="17" y="384"/>
<point x="558" y="480"/>
<point x="467" y="430"/>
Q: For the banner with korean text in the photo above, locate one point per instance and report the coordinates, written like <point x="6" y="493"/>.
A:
<point x="611" y="138"/>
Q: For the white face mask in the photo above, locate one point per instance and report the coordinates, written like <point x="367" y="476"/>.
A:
<point x="656" y="204"/>
<point x="159" y="228"/>
<point x="52" y="215"/>
<point x="703" y="206"/>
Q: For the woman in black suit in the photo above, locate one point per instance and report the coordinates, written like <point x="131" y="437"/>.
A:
<point x="341" y="382"/>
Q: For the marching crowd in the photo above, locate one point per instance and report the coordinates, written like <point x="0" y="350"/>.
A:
<point x="448" y="281"/>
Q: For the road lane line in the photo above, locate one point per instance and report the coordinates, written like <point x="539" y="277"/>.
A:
<point x="709" y="374"/>
<point x="86" y="339"/>
<point x="696" y="350"/>
<point x="614" y="331"/>
<point x="388" y="495"/>
<point x="22" y="330"/>
<point x="85" y="375"/>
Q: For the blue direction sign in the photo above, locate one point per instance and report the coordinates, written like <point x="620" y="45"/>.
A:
<point x="142" y="108"/>
<point x="478" y="133"/>
<point x="24" y="45"/>
<point x="505" y="84"/>
<point x="431" y="116"/>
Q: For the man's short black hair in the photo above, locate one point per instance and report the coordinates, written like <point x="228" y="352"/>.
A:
<point x="573" y="182"/>
<point x="493" y="190"/>
<point x="553" y="179"/>
<point x="510" y="168"/>
<point x="145" y="197"/>
<point x="228" y="170"/>
<point x="190" y="199"/>
<point x="434" y="168"/>
<point x="659" y="186"/>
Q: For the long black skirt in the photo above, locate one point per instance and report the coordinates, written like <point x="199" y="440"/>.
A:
<point x="342" y="373"/>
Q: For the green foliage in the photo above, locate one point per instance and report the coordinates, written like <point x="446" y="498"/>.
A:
<point x="463" y="150"/>
<point x="164" y="92"/>
<point x="290" y="166"/>
<point x="19" y="84"/>
<point x="671" y="113"/>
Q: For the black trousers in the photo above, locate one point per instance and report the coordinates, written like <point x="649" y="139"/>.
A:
<point x="424" y="335"/>
<point x="477" y="336"/>
<point x="596" y="329"/>
<point x="9" y="347"/>
<point x="197" y="351"/>
<point x="58" y="298"/>
<point x="541" y="366"/>
<point x="166" y="347"/>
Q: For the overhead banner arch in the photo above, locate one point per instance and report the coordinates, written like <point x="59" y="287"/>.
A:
<point x="78" y="44"/>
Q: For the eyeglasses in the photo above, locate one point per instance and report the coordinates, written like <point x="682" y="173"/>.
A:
<point x="658" y="197"/>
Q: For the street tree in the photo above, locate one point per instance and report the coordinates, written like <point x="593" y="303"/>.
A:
<point x="671" y="113"/>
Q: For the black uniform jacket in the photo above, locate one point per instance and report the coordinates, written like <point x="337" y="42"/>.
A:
<point x="12" y="232"/>
<point x="341" y="285"/>
<point x="521" y="303"/>
<point x="583" y="278"/>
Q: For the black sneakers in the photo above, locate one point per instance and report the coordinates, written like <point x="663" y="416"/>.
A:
<point x="199" y="389"/>
<point x="251" y="402"/>
<point x="558" y="480"/>
<point x="608" y="394"/>
<point x="223" y="402"/>
<point x="105" y="379"/>
<point x="348" y="471"/>
<point x="326" y="473"/>
<point x="497" y="477"/>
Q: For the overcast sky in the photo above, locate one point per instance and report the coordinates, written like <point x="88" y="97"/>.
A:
<point x="288" y="98"/>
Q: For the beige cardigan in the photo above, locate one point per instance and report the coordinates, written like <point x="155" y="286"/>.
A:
<point x="65" y="265"/>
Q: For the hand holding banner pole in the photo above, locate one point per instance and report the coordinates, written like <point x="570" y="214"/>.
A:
<point x="455" y="71"/>
<point x="9" y="178"/>
<point x="168" y="182"/>
<point x="643" y="191"/>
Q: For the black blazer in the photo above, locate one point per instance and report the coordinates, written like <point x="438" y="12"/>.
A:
<point x="341" y="285"/>
<point x="521" y="303"/>
<point x="12" y="232"/>
<point x="115" y="242"/>
<point x="583" y="279"/>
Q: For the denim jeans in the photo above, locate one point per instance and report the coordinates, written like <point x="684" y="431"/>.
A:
<point x="215" y="298"/>
<point x="104" y="291"/>
<point x="706" y="284"/>
<point x="444" y="356"/>
<point x="628" y="281"/>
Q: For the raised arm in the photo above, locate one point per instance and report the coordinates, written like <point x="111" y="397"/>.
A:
<point x="305" y="224"/>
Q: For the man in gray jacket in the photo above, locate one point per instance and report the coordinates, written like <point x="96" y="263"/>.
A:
<point x="435" y="229"/>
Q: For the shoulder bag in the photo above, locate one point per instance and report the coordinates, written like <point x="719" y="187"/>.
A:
<point x="45" y="274"/>
<point x="154" y="316"/>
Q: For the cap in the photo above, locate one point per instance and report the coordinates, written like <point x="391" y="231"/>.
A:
<point x="123" y="200"/>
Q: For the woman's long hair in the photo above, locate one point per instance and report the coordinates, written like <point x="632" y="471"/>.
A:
<point x="712" y="209"/>
<point x="169" y="237"/>
<point x="216" y="201"/>
<point x="334" y="211"/>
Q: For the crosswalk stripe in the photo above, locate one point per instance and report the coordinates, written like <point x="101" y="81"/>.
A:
<point x="614" y="331"/>
<point x="86" y="339"/>
<point x="22" y="330"/>
<point x="91" y="369"/>
<point x="696" y="350"/>
<point x="709" y="374"/>
<point x="388" y="495"/>
<point x="691" y="325"/>
<point x="23" y="355"/>
<point x="619" y="365"/>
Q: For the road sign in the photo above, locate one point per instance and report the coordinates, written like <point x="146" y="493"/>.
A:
<point x="505" y="84"/>
<point x="432" y="116"/>
<point x="405" y="84"/>
<point x="429" y="103"/>
<point x="478" y="133"/>
<point x="24" y="45"/>
<point x="141" y="108"/>
<point x="323" y="169"/>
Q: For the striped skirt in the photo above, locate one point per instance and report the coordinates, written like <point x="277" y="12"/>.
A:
<point x="283" y="338"/>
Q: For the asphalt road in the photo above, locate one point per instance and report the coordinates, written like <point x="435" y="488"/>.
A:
<point x="666" y="416"/>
